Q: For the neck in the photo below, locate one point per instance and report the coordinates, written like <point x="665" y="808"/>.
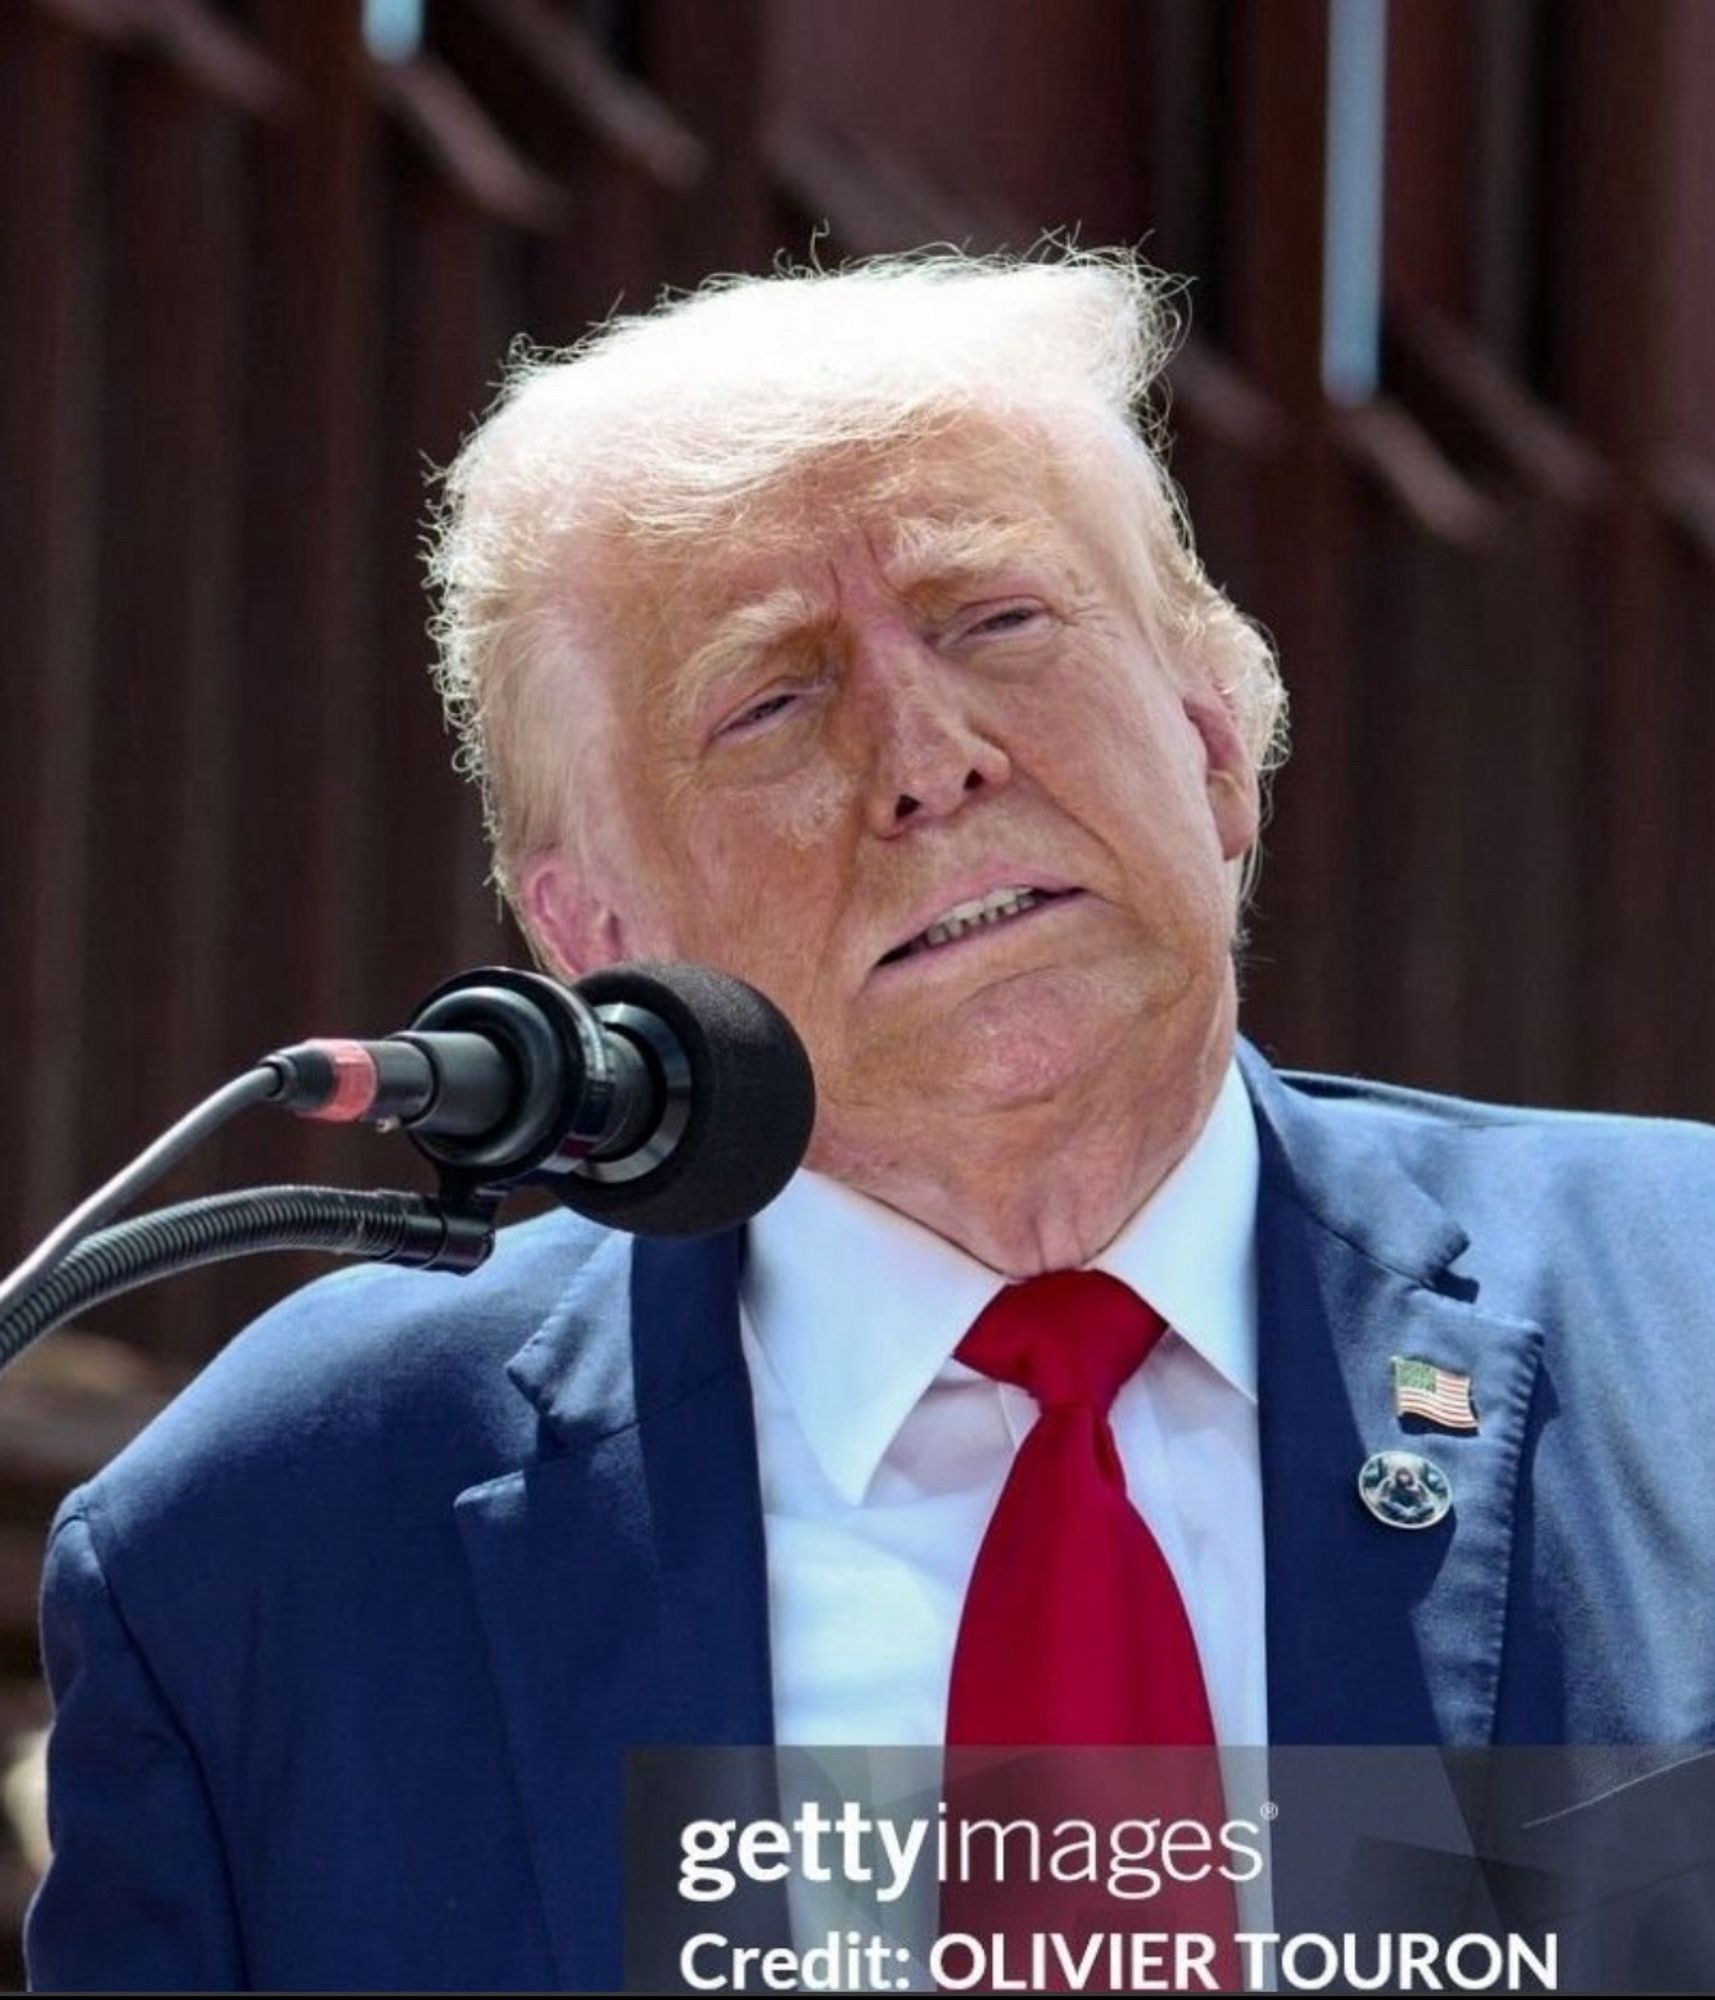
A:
<point x="1047" y="1187"/>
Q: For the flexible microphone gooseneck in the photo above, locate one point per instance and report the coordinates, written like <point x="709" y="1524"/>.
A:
<point x="663" y="1099"/>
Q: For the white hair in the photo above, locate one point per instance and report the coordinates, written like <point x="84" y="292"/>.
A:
<point x="673" y="427"/>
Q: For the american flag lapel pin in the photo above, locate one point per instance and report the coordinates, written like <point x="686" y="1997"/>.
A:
<point x="1440" y="1396"/>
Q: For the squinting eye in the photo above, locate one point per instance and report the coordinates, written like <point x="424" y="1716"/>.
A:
<point x="1009" y="620"/>
<point x="759" y="713"/>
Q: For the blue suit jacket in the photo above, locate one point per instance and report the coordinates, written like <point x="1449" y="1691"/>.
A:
<point x="347" y="1647"/>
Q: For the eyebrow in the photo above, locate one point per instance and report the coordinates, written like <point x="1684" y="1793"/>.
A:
<point x="748" y="633"/>
<point x="935" y="548"/>
<point x="923" y="552"/>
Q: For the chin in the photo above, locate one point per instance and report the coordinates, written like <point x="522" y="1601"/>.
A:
<point x="1013" y="1079"/>
<point x="1009" y="1049"/>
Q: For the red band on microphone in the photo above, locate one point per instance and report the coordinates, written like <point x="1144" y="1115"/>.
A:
<point x="355" y="1082"/>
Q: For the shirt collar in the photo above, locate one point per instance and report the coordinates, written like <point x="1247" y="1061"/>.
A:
<point x="1191" y="1249"/>
<point x="858" y="1308"/>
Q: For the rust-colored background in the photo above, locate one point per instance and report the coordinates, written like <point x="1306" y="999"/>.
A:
<point x="252" y="277"/>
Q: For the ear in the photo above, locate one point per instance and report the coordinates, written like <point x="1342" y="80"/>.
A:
<point x="571" y="926"/>
<point x="1229" y="772"/>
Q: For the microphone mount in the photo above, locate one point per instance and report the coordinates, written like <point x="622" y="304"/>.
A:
<point x="601" y="1091"/>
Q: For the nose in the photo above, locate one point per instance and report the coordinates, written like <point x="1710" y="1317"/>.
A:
<point x="930" y="752"/>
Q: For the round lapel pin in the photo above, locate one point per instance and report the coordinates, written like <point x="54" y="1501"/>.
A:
<point x="1403" y="1489"/>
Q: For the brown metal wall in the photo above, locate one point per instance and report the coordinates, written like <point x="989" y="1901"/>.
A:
<point x="251" y="280"/>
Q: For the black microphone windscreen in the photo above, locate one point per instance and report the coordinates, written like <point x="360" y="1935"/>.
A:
<point x="752" y="1104"/>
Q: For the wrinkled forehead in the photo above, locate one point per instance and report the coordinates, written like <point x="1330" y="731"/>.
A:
<point x="970" y="501"/>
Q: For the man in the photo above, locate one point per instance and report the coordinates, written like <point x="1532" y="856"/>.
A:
<point x="837" y="631"/>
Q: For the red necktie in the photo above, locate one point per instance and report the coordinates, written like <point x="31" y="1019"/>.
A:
<point x="1074" y="1632"/>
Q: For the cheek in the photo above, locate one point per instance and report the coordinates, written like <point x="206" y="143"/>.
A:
<point x="758" y="878"/>
<point x="790" y="823"/>
<point x="808" y="814"/>
<point x="1138" y="738"/>
<point x="1100" y="754"/>
<point x="1130" y="771"/>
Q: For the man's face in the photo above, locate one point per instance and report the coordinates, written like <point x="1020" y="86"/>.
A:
<point x="918" y="774"/>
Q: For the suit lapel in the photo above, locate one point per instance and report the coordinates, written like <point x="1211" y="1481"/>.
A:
<point x="620" y="1575"/>
<point x="1375" y="1634"/>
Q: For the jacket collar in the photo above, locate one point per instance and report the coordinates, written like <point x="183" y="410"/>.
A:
<point x="642" y="1325"/>
<point x="1346" y="1172"/>
<point x="1375" y="1634"/>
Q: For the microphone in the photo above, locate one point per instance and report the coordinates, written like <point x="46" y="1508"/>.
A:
<point x="668" y="1100"/>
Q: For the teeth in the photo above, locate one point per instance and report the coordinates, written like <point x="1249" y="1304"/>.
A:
<point x="990" y="909"/>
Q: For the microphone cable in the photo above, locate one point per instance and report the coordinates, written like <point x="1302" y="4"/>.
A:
<point x="220" y="1107"/>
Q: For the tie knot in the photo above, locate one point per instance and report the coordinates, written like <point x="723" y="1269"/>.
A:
<point x="1067" y="1337"/>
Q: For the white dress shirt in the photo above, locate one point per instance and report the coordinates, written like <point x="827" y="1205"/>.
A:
<point x="882" y="1457"/>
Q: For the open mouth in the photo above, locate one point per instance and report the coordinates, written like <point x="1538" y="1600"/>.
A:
<point x="983" y="913"/>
